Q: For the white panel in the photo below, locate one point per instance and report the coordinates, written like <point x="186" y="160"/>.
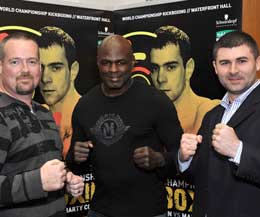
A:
<point x="106" y="4"/>
<point x="126" y="4"/>
<point x="91" y="4"/>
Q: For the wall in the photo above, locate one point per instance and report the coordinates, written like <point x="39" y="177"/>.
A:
<point x="251" y="19"/>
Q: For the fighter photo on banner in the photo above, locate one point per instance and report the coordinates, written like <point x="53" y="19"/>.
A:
<point x="172" y="46"/>
<point x="68" y="39"/>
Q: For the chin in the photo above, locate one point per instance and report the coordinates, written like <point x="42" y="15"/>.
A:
<point x="115" y="86"/>
<point x="25" y="92"/>
<point x="50" y="103"/>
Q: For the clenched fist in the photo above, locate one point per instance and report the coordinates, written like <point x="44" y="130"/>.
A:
<point x="53" y="175"/>
<point x="225" y="140"/>
<point x="81" y="151"/>
<point x="189" y="145"/>
<point x="75" y="184"/>
<point x="147" y="158"/>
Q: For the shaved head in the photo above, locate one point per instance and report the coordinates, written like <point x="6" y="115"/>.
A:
<point x="115" y="61"/>
<point x="116" y="41"/>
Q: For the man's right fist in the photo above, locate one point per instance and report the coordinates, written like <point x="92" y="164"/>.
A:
<point x="53" y="175"/>
<point x="81" y="151"/>
<point x="188" y="147"/>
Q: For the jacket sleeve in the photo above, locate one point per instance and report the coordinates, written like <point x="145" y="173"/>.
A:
<point x="16" y="188"/>
<point x="170" y="132"/>
<point x="246" y="123"/>
<point x="77" y="135"/>
<point x="248" y="169"/>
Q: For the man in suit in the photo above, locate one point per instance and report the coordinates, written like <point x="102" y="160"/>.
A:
<point x="224" y="158"/>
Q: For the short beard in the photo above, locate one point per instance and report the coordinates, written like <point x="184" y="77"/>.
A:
<point x="24" y="92"/>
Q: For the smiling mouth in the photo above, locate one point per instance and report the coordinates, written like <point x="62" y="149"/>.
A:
<point x="234" y="79"/>
<point x="114" y="78"/>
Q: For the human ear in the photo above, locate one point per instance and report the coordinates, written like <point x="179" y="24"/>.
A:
<point x="74" y="70"/>
<point x="214" y="65"/>
<point x="190" y="65"/>
<point x="258" y="63"/>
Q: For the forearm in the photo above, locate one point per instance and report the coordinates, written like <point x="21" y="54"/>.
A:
<point x="21" y="188"/>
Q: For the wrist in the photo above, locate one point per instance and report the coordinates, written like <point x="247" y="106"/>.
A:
<point x="161" y="161"/>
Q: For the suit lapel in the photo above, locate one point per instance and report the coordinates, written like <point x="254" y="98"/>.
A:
<point x="216" y="118"/>
<point x="247" y="108"/>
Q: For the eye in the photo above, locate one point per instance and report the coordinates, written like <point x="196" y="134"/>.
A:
<point x="33" y="62"/>
<point x="222" y="63"/>
<point x="155" y="68"/>
<point x="122" y="62"/>
<point x="104" y="62"/>
<point x="56" y="67"/>
<point x="171" y="67"/>
<point x="15" y="62"/>
<point x="241" y="61"/>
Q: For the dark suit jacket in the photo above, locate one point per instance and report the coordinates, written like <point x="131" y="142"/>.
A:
<point x="222" y="188"/>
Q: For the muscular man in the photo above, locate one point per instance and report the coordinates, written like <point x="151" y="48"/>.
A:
<point x="129" y="132"/>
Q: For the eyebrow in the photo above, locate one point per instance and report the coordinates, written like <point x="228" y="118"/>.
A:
<point x="112" y="60"/>
<point x="55" y="63"/>
<point x="228" y="60"/>
<point x="243" y="57"/>
<point x="167" y="63"/>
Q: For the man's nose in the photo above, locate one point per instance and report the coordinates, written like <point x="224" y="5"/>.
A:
<point x="25" y="66"/>
<point x="46" y="75"/>
<point x="162" y="76"/>
<point x="113" y="67"/>
<point x="233" y="68"/>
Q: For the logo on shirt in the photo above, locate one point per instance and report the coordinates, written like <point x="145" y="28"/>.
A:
<point x="109" y="129"/>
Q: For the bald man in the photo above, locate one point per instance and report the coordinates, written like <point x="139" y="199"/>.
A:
<point x="129" y="132"/>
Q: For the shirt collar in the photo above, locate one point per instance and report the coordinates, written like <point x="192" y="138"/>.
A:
<point x="241" y="98"/>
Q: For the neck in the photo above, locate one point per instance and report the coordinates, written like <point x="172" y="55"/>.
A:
<point x="185" y="98"/>
<point x="27" y="99"/>
<point x="231" y="98"/>
<point x="67" y="102"/>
